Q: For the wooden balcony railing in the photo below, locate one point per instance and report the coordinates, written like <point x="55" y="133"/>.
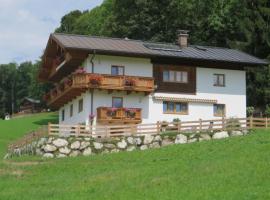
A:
<point x="73" y="86"/>
<point x="119" y="115"/>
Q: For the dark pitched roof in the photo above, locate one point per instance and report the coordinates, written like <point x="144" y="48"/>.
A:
<point x="150" y="49"/>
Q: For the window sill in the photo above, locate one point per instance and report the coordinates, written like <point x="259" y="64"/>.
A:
<point x="176" y="113"/>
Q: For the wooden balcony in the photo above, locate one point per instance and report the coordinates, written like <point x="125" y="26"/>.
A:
<point x="119" y="115"/>
<point x="76" y="84"/>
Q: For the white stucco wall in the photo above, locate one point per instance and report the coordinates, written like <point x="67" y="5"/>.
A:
<point x="233" y="95"/>
<point x="133" y="66"/>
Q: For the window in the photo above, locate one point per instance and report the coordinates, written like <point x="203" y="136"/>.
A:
<point x="117" y="102"/>
<point x="63" y="115"/>
<point x="71" y="110"/>
<point x="175" y="107"/>
<point x="117" y="70"/>
<point x="175" y="76"/>
<point x="219" y="110"/>
<point x="219" y="80"/>
<point x="80" y="108"/>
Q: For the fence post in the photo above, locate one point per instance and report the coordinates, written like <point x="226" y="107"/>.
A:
<point x="179" y="127"/>
<point x="49" y="128"/>
<point x="223" y="123"/>
<point x="250" y="122"/>
<point x="200" y="125"/>
<point x="266" y="122"/>
<point x="78" y="130"/>
<point x="158" y="127"/>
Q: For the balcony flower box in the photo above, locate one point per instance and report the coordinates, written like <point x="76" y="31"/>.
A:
<point x="68" y="82"/>
<point x="129" y="82"/>
<point x="95" y="80"/>
<point x="130" y="112"/>
<point x="91" y="117"/>
<point x="111" y="112"/>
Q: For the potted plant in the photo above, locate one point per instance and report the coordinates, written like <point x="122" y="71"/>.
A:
<point x="68" y="82"/>
<point x="130" y="82"/>
<point x="130" y="112"/>
<point x="111" y="112"/>
<point x="95" y="80"/>
<point x="91" y="117"/>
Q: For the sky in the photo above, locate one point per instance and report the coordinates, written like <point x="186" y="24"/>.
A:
<point x="25" y="25"/>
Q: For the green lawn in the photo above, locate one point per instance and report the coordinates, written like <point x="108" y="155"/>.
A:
<point x="233" y="168"/>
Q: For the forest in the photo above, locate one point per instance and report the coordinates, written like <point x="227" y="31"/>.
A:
<point x="239" y="24"/>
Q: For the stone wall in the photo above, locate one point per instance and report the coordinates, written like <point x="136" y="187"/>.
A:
<point x="50" y="147"/>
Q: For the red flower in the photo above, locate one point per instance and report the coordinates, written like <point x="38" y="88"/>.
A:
<point x="95" y="79"/>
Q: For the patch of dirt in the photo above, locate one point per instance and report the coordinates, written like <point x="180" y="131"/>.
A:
<point x="25" y="163"/>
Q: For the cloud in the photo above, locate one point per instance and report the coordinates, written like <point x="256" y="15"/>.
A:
<point x="25" y="25"/>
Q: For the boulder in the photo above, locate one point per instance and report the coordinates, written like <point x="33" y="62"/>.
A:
<point x="154" y="145"/>
<point x="131" y="148"/>
<point x="41" y="142"/>
<point x="49" y="148"/>
<point x="48" y="155"/>
<point x="74" y="153"/>
<point x="60" y="155"/>
<point x="148" y="139"/>
<point x="236" y="133"/>
<point x="130" y="140"/>
<point x="60" y="142"/>
<point x="204" y="137"/>
<point x="38" y="152"/>
<point x="167" y="142"/>
<point x="87" y="151"/>
<point x="138" y="141"/>
<point x="87" y="139"/>
<point x="220" y="135"/>
<point x="157" y="138"/>
<point x="115" y="150"/>
<point x="75" y="145"/>
<point x="64" y="150"/>
<point x="122" y="144"/>
<point x="98" y="145"/>
<point x="143" y="147"/>
<point x="109" y="146"/>
<point x="194" y="139"/>
<point x="50" y="139"/>
<point x="180" y="139"/>
<point x="84" y="145"/>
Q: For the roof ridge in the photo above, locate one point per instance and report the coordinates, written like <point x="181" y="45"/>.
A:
<point x="95" y="36"/>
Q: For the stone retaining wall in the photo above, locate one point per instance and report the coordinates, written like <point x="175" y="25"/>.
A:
<point x="50" y="147"/>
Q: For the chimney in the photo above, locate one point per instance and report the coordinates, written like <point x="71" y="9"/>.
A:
<point x="182" y="39"/>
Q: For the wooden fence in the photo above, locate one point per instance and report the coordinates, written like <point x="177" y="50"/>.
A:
<point x="159" y="127"/>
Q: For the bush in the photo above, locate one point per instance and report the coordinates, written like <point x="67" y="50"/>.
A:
<point x="176" y="120"/>
<point x="233" y="124"/>
<point x="250" y="111"/>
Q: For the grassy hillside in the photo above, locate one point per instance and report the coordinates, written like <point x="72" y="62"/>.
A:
<point x="15" y="128"/>
<point x="233" y="168"/>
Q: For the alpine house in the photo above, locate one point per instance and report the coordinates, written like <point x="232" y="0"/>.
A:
<point x="101" y="80"/>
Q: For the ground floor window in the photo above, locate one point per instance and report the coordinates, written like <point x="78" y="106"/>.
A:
<point x="219" y="110"/>
<point x="117" y="102"/>
<point x="175" y="107"/>
<point x="80" y="107"/>
<point x="63" y="115"/>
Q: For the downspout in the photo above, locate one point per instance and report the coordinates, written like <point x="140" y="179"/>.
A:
<point x="92" y="91"/>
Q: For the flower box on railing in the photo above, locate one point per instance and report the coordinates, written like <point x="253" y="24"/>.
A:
<point x="111" y="112"/>
<point x="130" y="112"/>
<point x="95" y="80"/>
<point x="80" y="70"/>
<point x="129" y="82"/>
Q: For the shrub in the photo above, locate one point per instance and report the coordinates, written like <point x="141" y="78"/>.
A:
<point x="250" y="111"/>
<point x="176" y="120"/>
<point x="233" y="124"/>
